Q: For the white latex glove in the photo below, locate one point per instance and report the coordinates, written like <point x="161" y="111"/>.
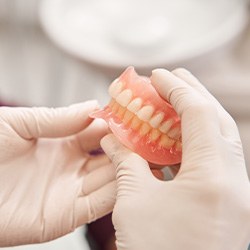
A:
<point x="49" y="183"/>
<point x="207" y="204"/>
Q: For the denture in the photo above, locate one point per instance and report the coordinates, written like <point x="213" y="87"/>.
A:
<point x="142" y="120"/>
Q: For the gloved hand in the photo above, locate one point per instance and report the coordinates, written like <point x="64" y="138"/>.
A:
<point x="207" y="204"/>
<point x="49" y="183"/>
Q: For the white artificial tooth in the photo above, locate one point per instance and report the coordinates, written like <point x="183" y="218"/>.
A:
<point x="145" y="113"/>
<point x="164" y="128"/>
<point x="127" y="117"/>
<point x="156" y="120"/>
<point x="124" y="97"/>
<point x="135" y="105"/>
<point x="145" y="128"/>
<point x="115" y="107"/>
<point x="135" y="123"/>
<point x="115" y="88"/>
<point x="121" y="111"/>
<point x="155" y="134"/>
<point x="111" y="103"/>
<point x="166" y="142"/>
<point x="178" y="146"/>
<point x="175" y="133"/>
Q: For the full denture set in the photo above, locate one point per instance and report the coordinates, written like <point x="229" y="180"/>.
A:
<point x="142" y="120"/>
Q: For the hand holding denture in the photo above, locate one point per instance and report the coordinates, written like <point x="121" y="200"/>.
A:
<point x="49" y="182"/>
<point x="207" y="204"/>
<point x="142" y="120"/>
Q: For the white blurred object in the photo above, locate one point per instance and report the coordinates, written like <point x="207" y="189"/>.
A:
<point x="20" y="11"/>
<point x="73" y="241"/>
<point x="117" y="33"/>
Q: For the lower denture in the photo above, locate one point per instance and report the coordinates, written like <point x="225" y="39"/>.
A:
<point x="143" y="128"/>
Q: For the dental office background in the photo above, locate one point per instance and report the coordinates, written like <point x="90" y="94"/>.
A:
<point x="58" y="52"/>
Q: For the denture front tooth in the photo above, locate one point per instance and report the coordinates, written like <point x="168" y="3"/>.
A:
<point x="135" y="123"/>
<point x="120" y="112"/>
<point x="154" y="134"/>
<point x="166" y="142"/>
<point x="127" y="117"/>
<point x="164" y="128"/>
<point x="175" y="133"/>
<point x="144" y="129"/>
<point x="124" y="97"/>
<point x="145" y="113"/>
<point x="156" y="120"/>
<point x="135" y="105"/>
<point x="115" y="88"/>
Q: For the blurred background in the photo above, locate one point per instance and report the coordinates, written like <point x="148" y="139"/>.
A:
<point x="58" y="52"/>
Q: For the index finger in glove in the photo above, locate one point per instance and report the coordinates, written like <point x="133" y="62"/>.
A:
<point x="31" y="123"/>
<point x="89" y="139"/>
<point x="199" y="117"/>
<point x="129" y="165"/>
<point x="228" y="127"/>
<point x="97" y="178"/>
<point x="95" y="205"/>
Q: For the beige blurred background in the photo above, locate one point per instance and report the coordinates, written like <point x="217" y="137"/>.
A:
<point x="35" y="72"/>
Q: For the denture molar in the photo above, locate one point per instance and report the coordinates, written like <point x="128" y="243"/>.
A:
<point x="144" y="129"/>
<point x="127" y="117"/>
<point x="124" y="97"/>
<point x="166" y="142"/>
<point x="121" y="111"/>
<point x="115" y="107"/>
<point x="174" y="133"/>
<point x="145" y="113"/>
<point x="142" y="120"/>
<point x="178" y="145"/>
<point x="135" y="105"/>
<point x="154" y="134"/>
<point x="135" y="123"/>
<point x="156" y="120"/>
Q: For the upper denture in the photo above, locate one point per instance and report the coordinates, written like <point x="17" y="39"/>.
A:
<point x="144" y="118"/>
